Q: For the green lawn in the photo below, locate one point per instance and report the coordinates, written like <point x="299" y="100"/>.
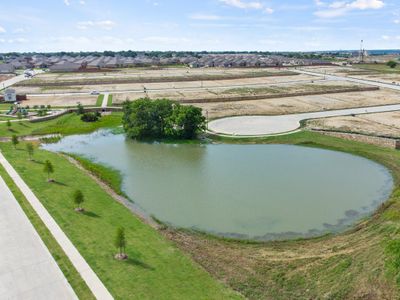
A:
<point x="99" y="101"/>
<point x="382" y="68"/>
<point x="67" y="124"/>
<point x="156" y="269"/>
<point x="73" y="277"/>
<point x="110" y="100"/>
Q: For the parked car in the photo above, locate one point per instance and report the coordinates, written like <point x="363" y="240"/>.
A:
<point x="95" y="93"/>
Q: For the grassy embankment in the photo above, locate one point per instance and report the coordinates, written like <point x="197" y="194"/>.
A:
<point x="73" y="277"/>
<point x="351" y="265"/>
<point x="380" y="68"/>
<point x="362" y="263"/>
<point x="65" y="125"/>
<point x="156" y="269"/>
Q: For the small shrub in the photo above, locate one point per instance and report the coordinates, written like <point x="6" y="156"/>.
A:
<point x="90" y="117"/>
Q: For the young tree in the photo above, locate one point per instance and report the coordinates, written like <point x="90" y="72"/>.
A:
<point x="79" y="198"/>
<point x="80" y="109"/>
<point x="14" y="141"/>
<point x="9" y="124"/>
<point x="120" y="244"/>
<point x="48" y="169"/>
<point x="30" y="149"/>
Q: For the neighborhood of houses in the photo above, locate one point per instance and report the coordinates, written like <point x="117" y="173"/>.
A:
<point x="67" y="63"/>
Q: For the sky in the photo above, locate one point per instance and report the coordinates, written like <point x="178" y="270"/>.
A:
<point x="212" y="25"/>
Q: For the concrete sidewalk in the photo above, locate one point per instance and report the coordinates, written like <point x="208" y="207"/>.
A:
<point x="27" y="269"/>
<point x="88" y="275"/>
<point x="105" y="100"/>
<point x="275" y="125"/>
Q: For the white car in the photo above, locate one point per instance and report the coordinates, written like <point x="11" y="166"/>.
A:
<point x="94" y="93"/>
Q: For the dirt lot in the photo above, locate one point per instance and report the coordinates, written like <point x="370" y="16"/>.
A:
<point x="61" y="100"/>
<point x="290" y="105"/>
<point x="382" y="124"/>
<point x="4" y="77"/>
<point x="139" y="87"/>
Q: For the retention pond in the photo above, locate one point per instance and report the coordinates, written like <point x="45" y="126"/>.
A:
<point x="260" y="192"/>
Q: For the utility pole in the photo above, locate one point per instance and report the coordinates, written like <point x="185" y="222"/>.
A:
<point x="362" y="51"/>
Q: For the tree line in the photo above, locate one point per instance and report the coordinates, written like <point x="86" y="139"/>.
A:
<point x="162" y="118"/>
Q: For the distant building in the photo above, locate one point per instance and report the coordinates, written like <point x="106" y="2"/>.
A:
<point x="10" y="95"/>
<point x="65" y="66"/>
<point x="6" y="68"/>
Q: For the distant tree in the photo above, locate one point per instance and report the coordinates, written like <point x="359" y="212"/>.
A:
<point x="14" y="141"/>
<point x="392" y="64"/>
<point x="120" y="244"/>
<point x="19" y="115"/>
<point x="30" y="149"/>
<point x="48" y="169"/>
<point x="9" y="124"/>
<point x="79" y="198"/>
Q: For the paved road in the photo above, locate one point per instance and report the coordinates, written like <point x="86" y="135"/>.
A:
<point x="352" y="79"/>
<point x="273" y="125"/>
<point x="9" y="82"/>
<point x="27" y="269"/>
<point x="88" y="275"/>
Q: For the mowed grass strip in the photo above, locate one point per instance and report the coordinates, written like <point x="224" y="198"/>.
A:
<point x="65" y="125"/>
<point x="156" y="268"/>
<point x="99" y="100"/>
<point x="110" y="100"/>
<point x="69" y="271"/>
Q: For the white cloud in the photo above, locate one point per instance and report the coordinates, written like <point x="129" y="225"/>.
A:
<point x="319" y="3"/>
<point x="2" y="29"/>
<point x="269" y="10"/>
<point x="340" y="8"/>
<point x="17" y="40"/>
<point x="82" y="2"/>
<point x="367" y="4"/>
<point x="20" y="30"/>
<point x="165" y="40"/>
<point x="397" y="21"/>
<point x="106" y="24"/>
<point x="205" y="17"/>
<point x="243" y="4"/>
<point x="390" y="37"/>
<point x="67" y="3"/>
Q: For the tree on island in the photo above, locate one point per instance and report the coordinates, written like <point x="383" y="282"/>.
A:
<point x="30" y="149"/>
<point x="14" y="141"/>
<point x="162" y="118"/>
<point x="120" y="244"/>
<point x="79" y="198"/>
<point x="48" y="169"/>
<point x="8" y="125"/>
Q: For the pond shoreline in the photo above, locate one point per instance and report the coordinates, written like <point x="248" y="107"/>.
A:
<point x="329" y="228"/>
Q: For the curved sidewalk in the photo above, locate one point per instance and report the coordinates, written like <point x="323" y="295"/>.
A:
<point x="88" y="275"/>
<point x="273" y="125"/>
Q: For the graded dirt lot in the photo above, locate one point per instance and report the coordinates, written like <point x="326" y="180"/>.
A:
<point x="382" y="124"/>
<point x="54" y="101"/>
<point x="139" y="87"/>
<point x="290" y="105"/>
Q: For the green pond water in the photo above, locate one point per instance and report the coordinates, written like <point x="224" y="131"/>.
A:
<point x="244" y="191"/>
